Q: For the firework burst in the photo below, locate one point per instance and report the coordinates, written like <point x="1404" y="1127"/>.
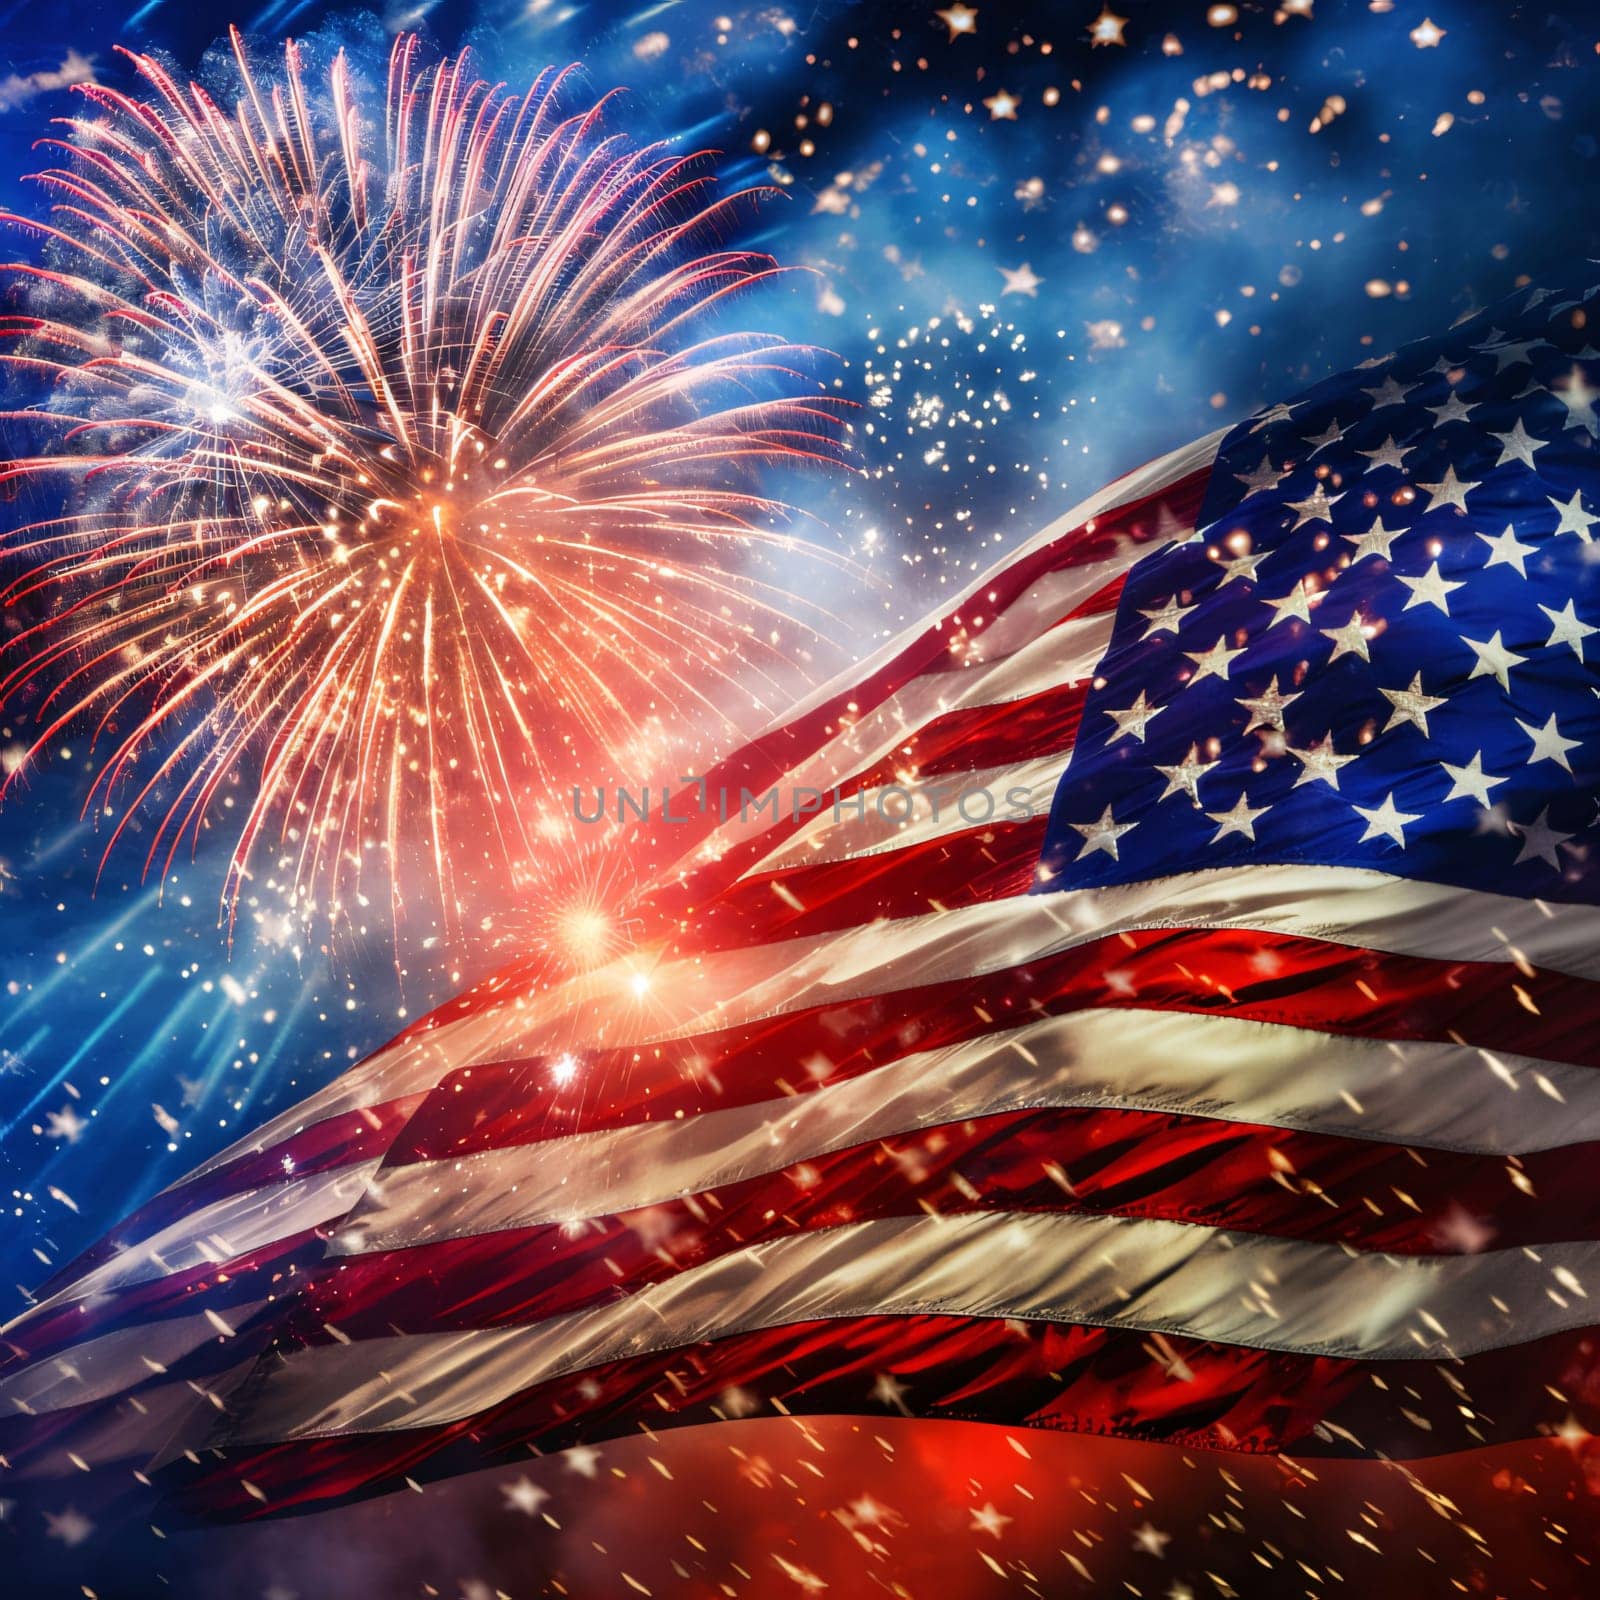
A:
<point x="402" y="464"/>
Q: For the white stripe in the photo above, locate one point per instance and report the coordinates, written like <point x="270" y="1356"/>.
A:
<point x="169" y="1416"/>
<point x="922" y="810"/>
<point x="1049" y="598"/>
<point x="1171" y="1277"/>
<point x="217" y="1233"/>
<point x="1439" y="1096"/>
<point x="105" y="1366"/>
<point x="630" y="1003"/>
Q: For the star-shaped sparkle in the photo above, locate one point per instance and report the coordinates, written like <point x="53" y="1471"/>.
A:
<point x="987" y="1520"/>
<point x="582" y="1459"/>
<point x="524" y="1495"/>
<point x="1107" y="29"/>
<point x="70" y="1526"/>
<point x="959" y="19"/>
<point x="1021" y="280"/>
<point x="1151" y="1540"/>
<point x="64" y="1124"/>
<point x="887" y="1389"/>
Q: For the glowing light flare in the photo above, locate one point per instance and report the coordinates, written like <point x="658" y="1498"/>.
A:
<point x="376" y="427"/>
<point x="588" y="935"/>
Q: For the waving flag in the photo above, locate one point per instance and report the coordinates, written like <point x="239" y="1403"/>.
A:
<point x="1229" y="1080"/>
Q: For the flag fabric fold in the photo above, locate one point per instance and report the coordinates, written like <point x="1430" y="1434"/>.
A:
<point x="1224" y="1072"/>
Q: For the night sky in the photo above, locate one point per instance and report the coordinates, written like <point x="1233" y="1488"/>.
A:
<point x="1047" y="245"/>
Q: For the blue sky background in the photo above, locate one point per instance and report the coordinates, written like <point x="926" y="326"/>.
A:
<point x="1043" y="262"/>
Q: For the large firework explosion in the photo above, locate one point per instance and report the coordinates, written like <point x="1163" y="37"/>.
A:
<point x="393" y="467"/>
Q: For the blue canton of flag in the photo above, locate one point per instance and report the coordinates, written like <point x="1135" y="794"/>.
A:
<point x="1376" y="652"/>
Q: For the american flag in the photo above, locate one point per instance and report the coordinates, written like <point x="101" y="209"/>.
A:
<point x="1238" y="1090"/>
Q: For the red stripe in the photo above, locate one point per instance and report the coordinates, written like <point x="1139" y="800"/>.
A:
<point x="994" y="861"/>
<point x="1305" y="983"/>
<point x="1048" y="1375"/>
<point x="1364" y="1194"/>
<point x="977" y="738"/>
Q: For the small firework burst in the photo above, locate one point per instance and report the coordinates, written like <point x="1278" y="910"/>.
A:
<point x="404" y="461"/>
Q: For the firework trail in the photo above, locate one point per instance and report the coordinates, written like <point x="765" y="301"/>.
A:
<point x="393" y="465"/>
